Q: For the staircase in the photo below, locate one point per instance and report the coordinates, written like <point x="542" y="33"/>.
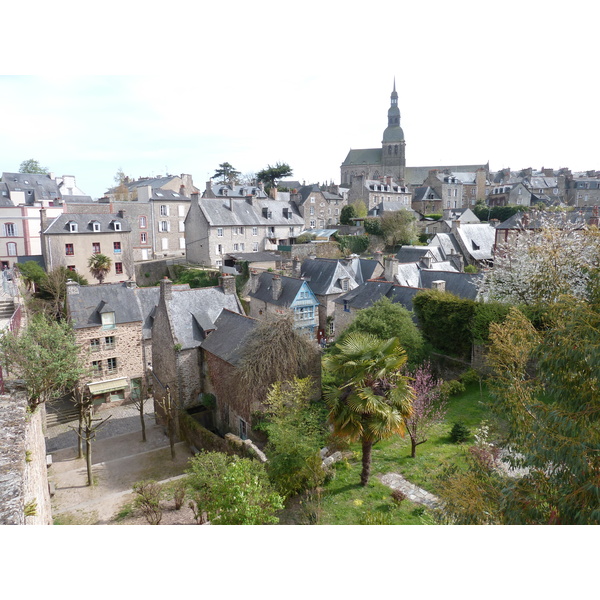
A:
<point x="7" y="308"/>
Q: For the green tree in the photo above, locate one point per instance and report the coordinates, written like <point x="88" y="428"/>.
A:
<point x="361" y="209"/>
<point x="373" y="399"/>
<point x="296" y="434"/>
<point x="45" y="356"/>
<point x="271" y="175"/>
<point x="399" y="227"/>
<point x="387" y="319"/>
<point x="32" y="166"/>
<point x="232" y="490"/>
<point x="347" y="214"/>
<point x="99" y="266"/>
<point x="227" y="174"/>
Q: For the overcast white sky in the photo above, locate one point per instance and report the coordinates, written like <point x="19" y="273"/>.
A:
<point x="161" y="87"/>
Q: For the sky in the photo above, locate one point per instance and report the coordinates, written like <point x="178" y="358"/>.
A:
<point x="154" y="89"/>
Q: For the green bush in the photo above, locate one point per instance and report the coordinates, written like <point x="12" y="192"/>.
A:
<point x="356" y="244"/>
<point x="452" y="388"/>
<point x="469" y="377"/>
<point x="373" y="226"/>
<point x="459" y="433"/>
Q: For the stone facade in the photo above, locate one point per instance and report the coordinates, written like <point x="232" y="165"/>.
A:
<point x="23" y="467"/>
<point x="373" y="192"/>
<point x="319" y="209"/>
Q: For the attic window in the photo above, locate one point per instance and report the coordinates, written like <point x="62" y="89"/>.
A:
<point x="108" y="320"/>
<point x="475" y="246"/>
<point x="176" y="194"/>
<point x="159" y="194"/>
<point x="72" y="227"/>
<point x="95" y="226"/>
<point x="117" y="225"/>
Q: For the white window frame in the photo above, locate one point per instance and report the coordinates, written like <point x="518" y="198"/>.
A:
<point x="164" y="210"/>
<point x="164" y="243"/>
<point x="219" y="232"/>
<point x="181" y="210"/>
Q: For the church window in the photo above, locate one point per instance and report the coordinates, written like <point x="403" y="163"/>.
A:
<point x="396" y="149"/>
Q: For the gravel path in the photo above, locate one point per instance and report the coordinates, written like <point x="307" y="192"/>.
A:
<point x="413" y="492"/>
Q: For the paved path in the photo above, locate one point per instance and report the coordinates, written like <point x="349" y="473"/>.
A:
<point x="413" y="493"/>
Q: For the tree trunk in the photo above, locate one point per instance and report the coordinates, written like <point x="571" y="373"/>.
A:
<point x="142" y="419"/>
<point x="80" y="435"/>
<point x="366" y="462"/>
<point x="413" y="447"/>
<point x="88" y="455"/>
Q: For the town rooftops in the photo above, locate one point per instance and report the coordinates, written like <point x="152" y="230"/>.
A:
<point x="238" y="211"/>
<point x="87" y="223"/>
<point x="231" y="332"/>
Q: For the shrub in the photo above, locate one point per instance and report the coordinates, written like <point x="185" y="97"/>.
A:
<point x="398" y="496"/>
<point x="149" y="495"/>
<point x="376" y="518"/>
<point x="177" y="490"/>
<point x="452" y="388"/>
<point x="459" y="433"/>
<point x="469" y="377"/>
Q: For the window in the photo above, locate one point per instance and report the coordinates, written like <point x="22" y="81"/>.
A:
<point x="254" y="246"/>
<point x="117" y="247"/>
<point x="10" y="230"/>
<point x="312" y="199"/>
<point x="95" y="247"/>
<point x="344" y="285"/>
<point x="69" y="251"/>
<point x="346" y="307"/>
<point x="164" y="210"/>
<point x="291" y="231"/>
<point x="305" y="313"/>
<point x="117" y="225"/>
<point x="181" y="227"/>
<point x="242" y="247"/>
<point x="119" y="268"/>
<point x="143" y="222"/>
<point x="97" y="366"/>
<point x="182" y="243"/>
<point x="164" y="243"/>
<point x="181" y="210"/>
<point x="143" y="238"/>
<point x="108" y="320"/>
<point x="255" y="231"/>
<point x="95" y="345"/>
<point x="111" y="365"/>
<point x="109" y="342"/>
<point x="236" y="247"/>
<point x="219" y="263"/>
<point x="71" y="267"/>
<point x="163" y="226"/>
<point x="271" y="231"/>
<point x="243" y="429"/>
<point x="313" y="223"/>
<point x="219" y="248"/>
<point x="72" y="227"/>
<point x="220" y="232"/>
<point x="95" y="226"/>
<point x="11" y="249"/>
<point x="312" y="210"/>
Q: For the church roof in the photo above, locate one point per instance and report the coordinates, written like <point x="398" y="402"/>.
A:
<point x="367" y="156"/>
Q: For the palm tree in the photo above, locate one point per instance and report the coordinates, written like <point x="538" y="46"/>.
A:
<point x="374" y="398"/>
<point x="99" y="265"/>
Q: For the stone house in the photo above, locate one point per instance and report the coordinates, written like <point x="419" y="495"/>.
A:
<point x="218" y="227"/>
<point x="473" y="241"/>
<point x="426" y="200"/>
<point x="181" y="322"/>
<point x="330" y="278"/>
<point x="319" y="208"/>
<point x="113" y="328"/>
<point x="272" y="295"/>
<point x="378" y="193"/>
<point x="69" y="240"/>
<point x="583" y="189"/>
<point x="129" y="189"/>
<point x="510" y="194"/>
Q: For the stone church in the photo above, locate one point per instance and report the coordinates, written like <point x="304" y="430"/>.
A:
<point x="390" y="159"/>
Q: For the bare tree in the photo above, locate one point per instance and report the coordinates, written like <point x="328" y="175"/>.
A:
<point x="167" y="406"/>
<point x="138" y="402"/>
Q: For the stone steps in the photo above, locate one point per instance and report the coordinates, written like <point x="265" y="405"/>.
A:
<point x="7" y="308"/>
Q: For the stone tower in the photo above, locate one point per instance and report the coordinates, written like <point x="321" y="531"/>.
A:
<point x="393" y="160"/>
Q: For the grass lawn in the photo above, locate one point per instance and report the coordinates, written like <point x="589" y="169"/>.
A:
<point x="346" y="502"/>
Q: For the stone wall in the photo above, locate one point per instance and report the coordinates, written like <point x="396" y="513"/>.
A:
<point x="23" y="470"/>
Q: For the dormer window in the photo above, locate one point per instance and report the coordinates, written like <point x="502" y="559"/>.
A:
<point x="224" y="191"/>
<point x="95" y="226"/>
<point x="72" y="226"/>
<point x="108" y="320"/>
<point x="117" y="225"/>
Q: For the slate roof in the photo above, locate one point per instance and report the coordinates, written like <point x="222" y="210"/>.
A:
<point x="218" y="213"/>
<point x="463" y="285"/>
<point x="422" y="193"/>
<point x="417" y="175"/>
<point x="60" y="224"/>
<point x="535" y="219"/>
<point x="160" y="194"/>
<point x="478" y="239"/>
<point x="129" y="304"/>
<point x="366" y="294"/>
<point x="324" y="274"/>
<point x="239" y="191"/>
<point x="73" y="199"/>
<point x="365" y="156"/>
<point x="446" y="242"/>
<point x="229" y="337"/>
<point x="193" y="312"/>
<point x="290" y="286"/>
<point x="254" y="256"/>
<point x="409" y="254"/>
<point x="41" y="185"/>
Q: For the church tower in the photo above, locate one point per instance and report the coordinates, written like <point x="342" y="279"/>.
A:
<point x="393" y="159"/>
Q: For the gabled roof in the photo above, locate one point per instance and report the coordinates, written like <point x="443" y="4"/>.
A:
<point x="446" y="242"/>
<point x="42" y="186"/>
<point x="423" y="193"/>
<point x="463" y="285"/>
<point x="160" y="194"/>
<point x="477" y="239"/>
<point x="229" y="337"/>
<point x="242" y="213"/>
<point x="366" y="294"/>
<point x="534" y="219"/>
<point x="409" y="254"/>
<point x="324" y="275"/>
<point x="193" y="312"/>
<point x="417" y="175"/>
<point x="229" y="190"/>
<point x="60" y="224"/>
<point x="290" y="286"/>
<point x="365" y="156"/>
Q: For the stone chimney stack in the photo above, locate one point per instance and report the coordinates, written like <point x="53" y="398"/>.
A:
<point x="227" y="282"/>
<point x="390" y="268"/>
<point x="254" y="281"/>
<point x="277" y="286"/>
<point x="121" y="213"/>
<point x="72" y="287"/>
<point x="458" y="261"/>
<point x="296" y="267"/>
<point x="439" y="285"/>
<point x="43" y="219"/>
<point x="455" y="226"/>
<point x="427" y="261"/>
<point x="166" y="289"/>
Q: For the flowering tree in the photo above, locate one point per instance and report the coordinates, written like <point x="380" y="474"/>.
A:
<point x="549" y="255"/>
<point x="429" y="406"/>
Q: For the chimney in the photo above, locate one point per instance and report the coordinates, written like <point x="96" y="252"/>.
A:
<point x="72" y="287"/>
<point x="182" y="190"/>
<point x="195" y="196"/>
<point x="276" y="287"/>
<point x="121" y="213"/>
<point x="296" y="270"/>
<point x="254" y="281"/>
<point x="390" y="268"/>
<point x="166" y="289"/>
<point x="130" y="283"/>
<point x="455" y="226"/>
<point x="427" y="261"/>
<point x="458" y="261"/>
<point x="230" y="204"/>
<point x="439" y="285"/>
<point x="227" y="282"/>
<point x="43" y="219"/>
<point x="208" y="192"/>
